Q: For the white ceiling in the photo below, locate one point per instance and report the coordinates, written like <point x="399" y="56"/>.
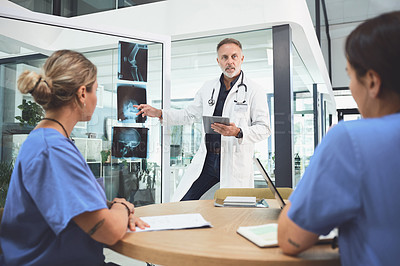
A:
<point x="347" y="11"/>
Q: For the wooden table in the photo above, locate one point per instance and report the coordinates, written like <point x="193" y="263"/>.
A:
<point x="219" y="245"/>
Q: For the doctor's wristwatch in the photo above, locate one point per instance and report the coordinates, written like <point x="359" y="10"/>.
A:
<point x="240" y="134"/>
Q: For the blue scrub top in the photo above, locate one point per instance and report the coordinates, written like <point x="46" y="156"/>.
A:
<point x="50" y="185"/>
<point x="353" y="183"/>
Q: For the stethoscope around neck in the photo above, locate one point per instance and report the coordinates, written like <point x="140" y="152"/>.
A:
<point x="211" y="101"/>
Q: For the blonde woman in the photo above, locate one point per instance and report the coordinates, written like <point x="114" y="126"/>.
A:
<point x="56" y="213"/>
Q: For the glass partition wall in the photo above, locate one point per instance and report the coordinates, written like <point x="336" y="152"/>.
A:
<point x="142" y="178"/>
<point x="303" y="116"/>
<point x="312" y="115"/>
<point x="124" y="154"/>
<point x="193" y="63"/>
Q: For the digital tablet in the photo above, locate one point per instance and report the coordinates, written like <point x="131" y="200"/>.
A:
<point x="208" y="120"/>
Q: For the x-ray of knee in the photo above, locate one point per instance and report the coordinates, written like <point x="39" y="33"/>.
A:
<point x="127" y="97"/>
<point x="129" y="142"/>
<point x="132" y="61"/>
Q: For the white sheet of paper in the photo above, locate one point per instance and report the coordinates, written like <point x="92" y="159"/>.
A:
<point x="173" y="222"/>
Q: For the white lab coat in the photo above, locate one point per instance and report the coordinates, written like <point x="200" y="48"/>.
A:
<point x="236" y="154"/>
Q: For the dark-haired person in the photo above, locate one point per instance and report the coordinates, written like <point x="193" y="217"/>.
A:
<point x="225" y="157"/>
<point x="56" y="212"/>
<point x="353" y="179"/>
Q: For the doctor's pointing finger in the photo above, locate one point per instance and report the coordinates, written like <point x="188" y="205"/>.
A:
<point x="148" y="110"/>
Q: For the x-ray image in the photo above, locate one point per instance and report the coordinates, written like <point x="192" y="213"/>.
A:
<point x="132" y="61"/>
<point x="129" y="142"/>
<point x="127" y="97"/>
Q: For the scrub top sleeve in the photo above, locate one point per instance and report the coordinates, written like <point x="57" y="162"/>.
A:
<point x="328" y="195"/>
<point x="62" y="186"/>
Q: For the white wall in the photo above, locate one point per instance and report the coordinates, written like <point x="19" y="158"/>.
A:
<point x="185" y="19"/>
<point x="340" y="78"/>
<point x="338" y="35"/>
<point x="344" y="16"/>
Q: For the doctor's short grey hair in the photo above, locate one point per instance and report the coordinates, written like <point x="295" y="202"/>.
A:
<point x="229" y="40"/>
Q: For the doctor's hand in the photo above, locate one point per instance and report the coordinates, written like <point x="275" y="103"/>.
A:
<point x="231" y="130"/>
<point x="148" y="110"/>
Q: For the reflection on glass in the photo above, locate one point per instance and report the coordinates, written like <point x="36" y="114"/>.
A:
<point x="93" y="138"/>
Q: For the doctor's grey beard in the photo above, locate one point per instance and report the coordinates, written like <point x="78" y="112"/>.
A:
<point x="230" y="75"/>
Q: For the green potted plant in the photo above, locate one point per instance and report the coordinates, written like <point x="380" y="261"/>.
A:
<point x="147" y="178"/>
<point x="105" y="156"/>
<point x="6" y="169"/>
<point x="32" y="113"/>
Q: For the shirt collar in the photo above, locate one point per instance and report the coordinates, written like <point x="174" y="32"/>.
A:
<point x="221" y="80"/>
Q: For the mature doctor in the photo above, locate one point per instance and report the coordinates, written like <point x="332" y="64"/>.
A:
<point x="225" y="157"/>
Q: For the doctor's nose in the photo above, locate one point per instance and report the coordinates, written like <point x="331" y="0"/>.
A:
<point x="230" y="63"/>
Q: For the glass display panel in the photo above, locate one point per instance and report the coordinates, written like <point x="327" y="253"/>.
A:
<point x="134" y="176"/>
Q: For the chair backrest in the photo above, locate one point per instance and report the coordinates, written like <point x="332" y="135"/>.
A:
<point x="285" y="192"/>
<point x="259" y="193"/>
